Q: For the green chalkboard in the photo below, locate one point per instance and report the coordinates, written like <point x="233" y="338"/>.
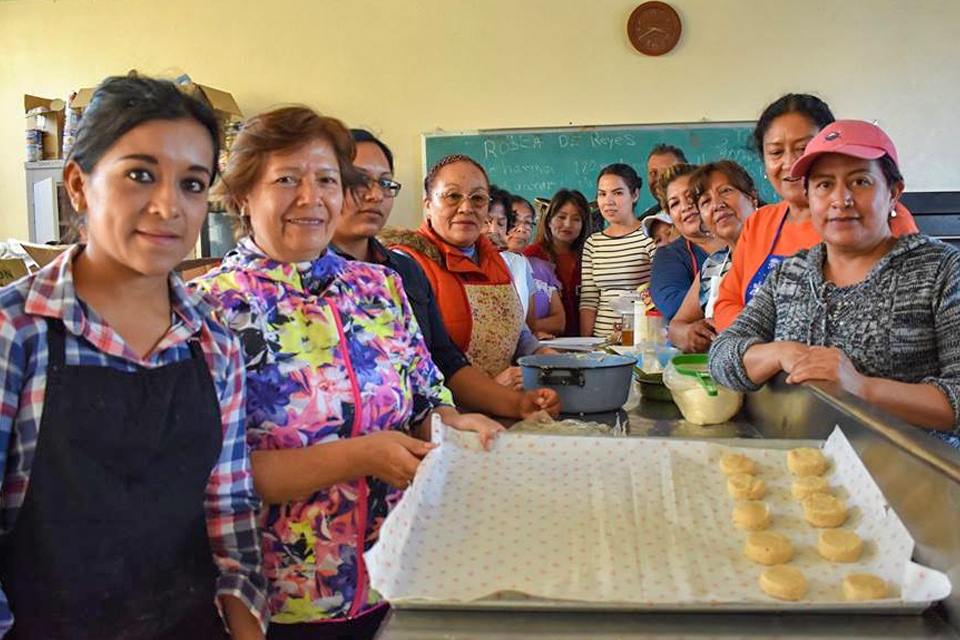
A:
<point x="537" y="162"/>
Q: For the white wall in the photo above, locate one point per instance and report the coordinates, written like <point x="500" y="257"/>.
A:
<point x="404" y="67"/>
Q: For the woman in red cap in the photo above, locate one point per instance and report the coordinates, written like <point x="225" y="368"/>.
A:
<point x="777" y="231"/>
<point x="875" y="313"/>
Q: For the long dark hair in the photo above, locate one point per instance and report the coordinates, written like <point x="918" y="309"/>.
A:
<point x="121" y="103"/>
<point x="560" y="199"/>
<point x="626" y="173"/>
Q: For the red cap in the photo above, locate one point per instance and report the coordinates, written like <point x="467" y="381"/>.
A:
<point x="849" y="137"/>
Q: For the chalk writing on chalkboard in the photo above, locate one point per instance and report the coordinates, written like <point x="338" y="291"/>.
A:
<point x="537" y="162"/>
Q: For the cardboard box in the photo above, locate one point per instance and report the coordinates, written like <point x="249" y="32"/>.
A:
<point x="11" y="270"/>
<point x="190" y="269"/>
<point x="46" y="114"/>
<point x="43" y="254"/>
<point x="222" y="103"/>
<point x="82" y="98"/>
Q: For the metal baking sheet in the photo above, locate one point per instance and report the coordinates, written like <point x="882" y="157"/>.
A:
<point x="547" y="523"/>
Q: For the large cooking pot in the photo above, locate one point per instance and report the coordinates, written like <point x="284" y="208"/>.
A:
<point x="585" y="382"/>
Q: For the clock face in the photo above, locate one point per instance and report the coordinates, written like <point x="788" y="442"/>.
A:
<point x="654" y="28"/>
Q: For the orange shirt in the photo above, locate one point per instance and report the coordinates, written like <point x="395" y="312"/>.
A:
<point x="754" y="246"/>
<point x="448" y="269"/>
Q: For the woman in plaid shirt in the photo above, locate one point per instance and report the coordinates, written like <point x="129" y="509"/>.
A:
<point x="127" y="507"/>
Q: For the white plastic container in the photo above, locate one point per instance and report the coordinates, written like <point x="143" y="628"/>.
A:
<point x="700" y="400"/>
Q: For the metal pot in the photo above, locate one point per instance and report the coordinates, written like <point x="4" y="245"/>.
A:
<point x="585" y="382"/>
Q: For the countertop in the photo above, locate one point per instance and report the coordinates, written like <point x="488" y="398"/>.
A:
<point x="763" y="420"/>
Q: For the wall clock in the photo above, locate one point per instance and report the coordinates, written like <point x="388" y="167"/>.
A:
<point x="654" y="28"/>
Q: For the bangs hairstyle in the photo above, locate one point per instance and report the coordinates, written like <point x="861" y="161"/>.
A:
<point x="670" y="174"/>
<point x="560" y="199"/>
<point x="282" y="130"/>
<point x="735" y="174"/>
<point x="431" y="178"/>
<point x="122" y="103"/>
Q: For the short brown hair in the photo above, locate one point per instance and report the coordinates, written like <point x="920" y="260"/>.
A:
<point x="736" y="175"/>
<point x="670" y="174"/>
<point x="280" y="130"/>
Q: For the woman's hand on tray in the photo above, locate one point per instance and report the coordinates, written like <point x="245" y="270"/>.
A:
<point x="394" y="457"/>
<point x="487" y="429"/>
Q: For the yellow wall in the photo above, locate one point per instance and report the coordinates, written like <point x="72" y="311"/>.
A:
<point x="404" y="67"/>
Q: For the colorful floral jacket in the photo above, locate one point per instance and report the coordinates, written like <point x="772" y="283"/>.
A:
<point x="332" y="351"/>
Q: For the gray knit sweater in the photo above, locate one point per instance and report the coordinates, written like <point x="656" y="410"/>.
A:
<point x="902" y="322"/>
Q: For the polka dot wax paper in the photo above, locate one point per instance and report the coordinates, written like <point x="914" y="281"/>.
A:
<point x="645" y="523"/>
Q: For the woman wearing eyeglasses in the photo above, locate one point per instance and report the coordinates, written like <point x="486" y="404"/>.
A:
<point x="481" y="309"/>
<point x="365" y="212"/>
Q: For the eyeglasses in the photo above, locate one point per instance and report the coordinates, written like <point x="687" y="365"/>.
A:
<point x="477" y="200"/>
<point x="389" y="187"/>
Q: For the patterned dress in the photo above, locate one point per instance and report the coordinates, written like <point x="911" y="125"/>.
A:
<point x="332" y="351"/>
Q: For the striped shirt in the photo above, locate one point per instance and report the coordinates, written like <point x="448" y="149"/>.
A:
<point x="711" y="274"/>
<point x="613" y="266"/>
<point x="230" y="502"/>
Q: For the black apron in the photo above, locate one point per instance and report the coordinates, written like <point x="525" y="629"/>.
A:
<point x="111" y="541"/>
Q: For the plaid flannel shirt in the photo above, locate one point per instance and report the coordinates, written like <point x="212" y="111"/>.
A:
<point x="230" y="502"/>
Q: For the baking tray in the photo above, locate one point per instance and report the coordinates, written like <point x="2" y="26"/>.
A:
<point x="451" y="545"/>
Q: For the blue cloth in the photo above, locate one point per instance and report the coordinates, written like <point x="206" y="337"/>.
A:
<point x="673" y="273"/>
<point x="470" y="252"/>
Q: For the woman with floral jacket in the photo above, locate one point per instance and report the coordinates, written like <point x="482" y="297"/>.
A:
<point x="338" y="376"/>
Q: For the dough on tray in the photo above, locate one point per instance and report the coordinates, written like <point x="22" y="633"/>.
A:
<point x="731" y="463"/>
<point x="806" y="485"/>
<point x="743" y="486"/>
<point x="806" y="461"/>
<point x="751" y="515"/>
<point x="783" y="582"/>
<point x="823" y="510"/>
<point x="864" y="586"/>
<point x="839" y="545"/>
<point x="767" y="547"/>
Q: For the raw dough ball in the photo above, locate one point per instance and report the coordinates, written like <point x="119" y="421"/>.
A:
<point x="743" y="486"/>
<point x="806" y="462"/>
<point x="767" y="547"/>
<point x="784" y="583"/>
<point x="803" y="487"/>
<point x="731" y="463"/>
<point x="823" y="510"/>
<point x="863" y="586"/>
<point x="751" y="515"/>
<point x="839" y="545"/>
